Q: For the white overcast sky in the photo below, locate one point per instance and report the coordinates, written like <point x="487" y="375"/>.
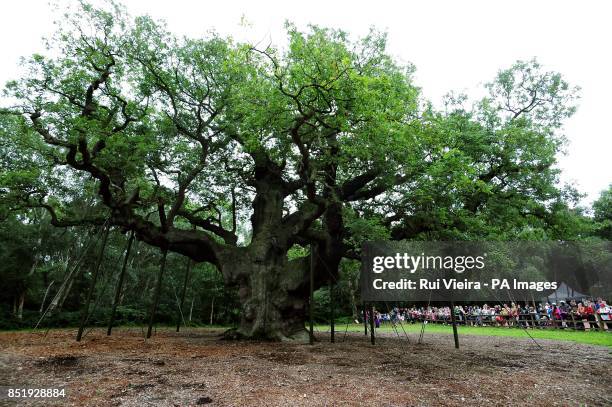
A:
<point x="455" y="45"/>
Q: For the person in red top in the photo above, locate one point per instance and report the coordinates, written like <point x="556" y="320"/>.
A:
<point x="583" y="314"/>
<point x="589" y="310"/>
<point x="556" y="313"/>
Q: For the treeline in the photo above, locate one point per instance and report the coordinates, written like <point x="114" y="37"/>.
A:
<point x="46" y="273"/>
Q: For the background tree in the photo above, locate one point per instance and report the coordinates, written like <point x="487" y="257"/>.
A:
<point x="602" y="214"/>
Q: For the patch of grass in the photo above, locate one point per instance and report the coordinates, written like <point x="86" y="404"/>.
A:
<point x="590" y="337"/>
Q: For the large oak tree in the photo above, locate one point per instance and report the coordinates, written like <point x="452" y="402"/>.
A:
<point x="244" y="156"/>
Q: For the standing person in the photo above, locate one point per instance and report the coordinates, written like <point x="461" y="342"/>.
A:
<point x="555" y="315"/>
<point x="523" y="316"/>
<point x="590" y="311"/>
<point x="573" y="311"/>
<point x="583" y="316"/>
<point x="565" y="309"/>
<point x="533" y="314"/>
<point x="513" y="314"/>
<point x="476" y="316"/>
<point x="459" y="314"/>
<point x="505" y="314"/>
<point x="486" y="312"/>
<point x="604" y="313"/>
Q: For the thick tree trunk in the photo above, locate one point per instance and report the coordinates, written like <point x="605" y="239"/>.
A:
<point x="270" y="309"/>
<point x="273" y="298"/>
<point x="271" y="290"/>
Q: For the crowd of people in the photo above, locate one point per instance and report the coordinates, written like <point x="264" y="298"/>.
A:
<point x="585" y="314"/>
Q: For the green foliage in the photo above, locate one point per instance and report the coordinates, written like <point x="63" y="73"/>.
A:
<point x="413" y="330"/>
<point x="165" y="105"/>
<point x="602" y="214"/>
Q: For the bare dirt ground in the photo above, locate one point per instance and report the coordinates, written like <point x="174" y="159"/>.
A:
<point x="196" y="368"/>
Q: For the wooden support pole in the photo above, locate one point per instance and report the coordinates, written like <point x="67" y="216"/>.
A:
<point x="454" y="322"/>
<point x="212" y="310"/>
<point x="311" y="298"/>
<point x="111" y="320"/>
<point x="331" y="312"/>
<point x="179" y="315"/>
<point x="155" y="302"/>
<point x="92" y="287"/>
<point x="365" y="319"/>
<point x="372" y="334"/>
